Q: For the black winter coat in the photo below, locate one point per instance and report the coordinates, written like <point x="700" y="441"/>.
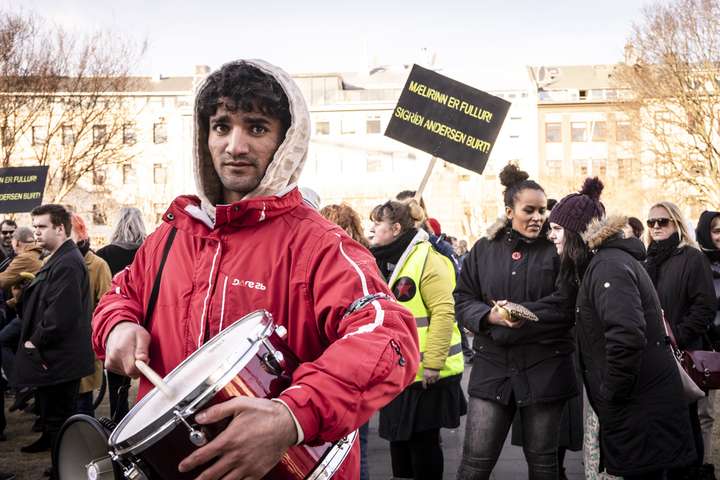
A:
<point x="56" y="319"/>
<point x="687" y="296"/>
<point x="630" y="376"/>
<point x="532" y="363"/>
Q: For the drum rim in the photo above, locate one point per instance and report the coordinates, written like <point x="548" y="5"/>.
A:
<point x="92" y="422"/>
<point x="158" y="429"/>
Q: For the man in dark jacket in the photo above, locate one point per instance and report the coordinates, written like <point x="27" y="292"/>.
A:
<point x="55" y="350"/>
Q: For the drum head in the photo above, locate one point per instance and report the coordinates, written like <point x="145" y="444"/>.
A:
<point x="193" y="383"/>
<point x="81" y="451"/>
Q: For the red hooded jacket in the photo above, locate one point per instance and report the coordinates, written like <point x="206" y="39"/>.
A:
<point x="310" y="272"/>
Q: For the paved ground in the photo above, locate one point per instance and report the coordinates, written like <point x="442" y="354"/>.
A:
<point x="510" y="466"/>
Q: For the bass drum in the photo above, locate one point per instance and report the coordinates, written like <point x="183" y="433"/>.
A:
<point x="81" y="450"/>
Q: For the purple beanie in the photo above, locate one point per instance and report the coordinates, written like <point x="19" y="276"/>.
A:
<point x="577" y="210"/>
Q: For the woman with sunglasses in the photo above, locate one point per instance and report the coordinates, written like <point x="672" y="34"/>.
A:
<point x="683" y="280"/>
<point x="524" y="370"/>
<point x="422" y="280"/>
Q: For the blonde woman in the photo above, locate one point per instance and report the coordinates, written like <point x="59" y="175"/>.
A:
<point x="684" y="283"/>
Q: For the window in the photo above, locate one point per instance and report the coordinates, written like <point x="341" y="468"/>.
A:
<point x="160" y="133"/>
<point x="553" y="132"/>
<point x="554" y="167"/>
<point x="68" y="135"/>
<point x="373" y="125"/>
<point x="39" y="135"/>
<point x="374" y="163"/>
<point x="583" y="94"/>
<point x="99" y="134"/>
<point x="578" y="131"/>
<point x="624" y="167"/>
<point x="159" y="174"/>
<point x="129" y="137"/>
<point x="599" y="132"/>
<point x="347" y="127"/>
<point x="160" y="209"/>
<point x="98" y="215"/>
<point x="127" y="173"/>
<point x="322" y="128"/>
<point x="99" y="176"/>
<point x="600" y="167"/>
<point x="623" y="132"/>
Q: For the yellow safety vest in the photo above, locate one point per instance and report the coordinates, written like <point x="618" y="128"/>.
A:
<point x="406" y="287"/>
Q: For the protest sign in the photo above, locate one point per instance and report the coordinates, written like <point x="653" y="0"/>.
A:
<point x="21" y="188"/>
<point x="447" y="119"/>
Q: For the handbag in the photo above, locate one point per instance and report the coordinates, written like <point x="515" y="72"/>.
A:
<point x="703" y="366"/>
<point x="692" y="392"/>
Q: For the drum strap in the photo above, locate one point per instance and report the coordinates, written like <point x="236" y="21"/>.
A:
<point x="156" y="286"/>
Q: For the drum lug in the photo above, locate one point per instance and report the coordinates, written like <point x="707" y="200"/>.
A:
<point x="274" y="360"/>
<point x="197" y="437"/>
<point x="130" y="472"/>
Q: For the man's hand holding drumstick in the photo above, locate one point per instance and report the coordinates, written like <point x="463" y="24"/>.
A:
<point x="259" y="434"/>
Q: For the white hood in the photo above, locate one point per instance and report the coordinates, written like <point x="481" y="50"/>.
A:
<point x="284" y="170"/>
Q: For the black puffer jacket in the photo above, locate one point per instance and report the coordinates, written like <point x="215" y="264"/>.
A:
<point x="532" y="363"/>
<point x="630" y="376"/>
<point x="56" y="319"/>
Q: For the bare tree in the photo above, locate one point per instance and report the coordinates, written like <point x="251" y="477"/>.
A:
<point x="672" y="69"/>
<point x="64" y="100"/>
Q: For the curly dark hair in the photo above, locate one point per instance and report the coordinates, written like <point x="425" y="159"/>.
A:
<point x="249" y="89"/>
<point x="515" y="181"/>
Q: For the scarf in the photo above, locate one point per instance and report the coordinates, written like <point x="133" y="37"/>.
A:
<point x="387" y="256"/>
<point x="658" y="253"/>
<point x="83" y="246"/>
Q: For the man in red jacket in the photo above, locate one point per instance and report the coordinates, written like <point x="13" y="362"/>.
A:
<point x="248" y="241"/>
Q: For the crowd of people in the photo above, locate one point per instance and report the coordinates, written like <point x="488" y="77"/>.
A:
<point x="559" y="312"/>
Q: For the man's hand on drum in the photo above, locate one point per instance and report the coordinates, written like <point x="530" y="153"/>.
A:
<point x="252" y="444"/>
<point x="126" y="343"/>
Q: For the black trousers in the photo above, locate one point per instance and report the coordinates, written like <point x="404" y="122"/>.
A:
<point x="118" y="387"/>
<point x="420" y="458"/>
<point x="656" y="475"/>
<point x="57" y="403"/>
<point x="488" y="424"/>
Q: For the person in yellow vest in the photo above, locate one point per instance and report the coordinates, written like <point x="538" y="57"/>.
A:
<point x="100" y="278"/>
<point x="422" y="280"/>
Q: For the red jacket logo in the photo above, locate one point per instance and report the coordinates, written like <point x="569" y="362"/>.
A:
<point x="248" y="284"/>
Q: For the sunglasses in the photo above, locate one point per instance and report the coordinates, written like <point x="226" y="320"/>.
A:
<point x="660" y="222"/>
<point x="7" y="232"/>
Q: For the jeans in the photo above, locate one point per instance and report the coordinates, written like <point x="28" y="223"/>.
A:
<point x="487" y="427"/>
<point x="364" y="430"/>
<point x="420" y="458"/>
<point x="706" y="415"/>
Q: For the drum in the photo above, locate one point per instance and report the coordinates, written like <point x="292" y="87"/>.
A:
<point x="249" y="358"/>
<point x="81" y="450"/>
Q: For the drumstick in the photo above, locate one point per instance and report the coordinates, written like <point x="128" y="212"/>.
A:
<point x="154" y="378"/>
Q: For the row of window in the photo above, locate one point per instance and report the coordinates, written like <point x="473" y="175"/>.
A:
<point x="99" y="134"/>
<point x="588" y="131"/>
<point x="599" y="167"/>
<point x="372" y="126"/>
<point x="128" y="173"/>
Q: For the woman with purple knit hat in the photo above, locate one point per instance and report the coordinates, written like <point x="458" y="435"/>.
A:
<point x="629" y="372"/>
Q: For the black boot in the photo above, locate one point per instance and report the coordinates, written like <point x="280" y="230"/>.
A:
<point x="42" y="444"/>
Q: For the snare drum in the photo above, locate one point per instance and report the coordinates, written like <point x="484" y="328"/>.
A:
<point x="249" y="358"/>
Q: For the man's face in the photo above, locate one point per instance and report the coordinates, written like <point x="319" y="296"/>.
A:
<point x="7" y="231"/>
<point x="48" y="236"/>
<point x="242" y="145"/>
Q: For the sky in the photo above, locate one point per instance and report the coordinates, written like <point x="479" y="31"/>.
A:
<point x="337" y="36"/>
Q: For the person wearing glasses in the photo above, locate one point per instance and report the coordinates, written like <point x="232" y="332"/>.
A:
<point x="684" y="283"/>
<point x="7" y="228"/>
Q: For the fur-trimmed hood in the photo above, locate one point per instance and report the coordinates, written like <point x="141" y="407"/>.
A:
<point x="283" y="172"/>
<point x="601" y="229"/>
<point x="497" y="228"/>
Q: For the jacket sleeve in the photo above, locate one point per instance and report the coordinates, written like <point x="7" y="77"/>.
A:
<point x="63" y="303"/>
<point x="555" y="317"/>
<point x="617" y="303"/>
<point x="470" y="307"/>
<point x="436" y="292"/>
<point x="125" y="300"/>
<point x="11" y="275"/>
<point x="700" y="297"/>
<point x="372" y="353"/>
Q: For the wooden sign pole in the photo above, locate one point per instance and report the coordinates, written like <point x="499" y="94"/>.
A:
<point x="425" y="179"/>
